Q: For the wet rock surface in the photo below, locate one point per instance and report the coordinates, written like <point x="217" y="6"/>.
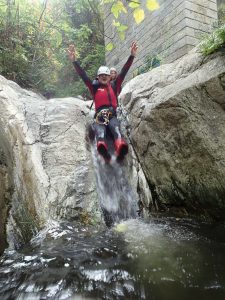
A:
<point x="5" y="197"/>
<point x="48" y="163"/>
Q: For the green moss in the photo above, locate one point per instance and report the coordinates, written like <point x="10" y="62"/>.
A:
<point x="5" y="197"/>
<point x="213" y="41"/>
<point x="26" y="223"/>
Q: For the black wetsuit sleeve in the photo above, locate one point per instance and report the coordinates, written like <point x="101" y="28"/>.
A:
<point x="83" y="76"/>
<point x="123" y="73"/>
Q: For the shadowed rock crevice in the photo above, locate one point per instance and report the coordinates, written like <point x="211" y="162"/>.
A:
<point x="5" y="197"/>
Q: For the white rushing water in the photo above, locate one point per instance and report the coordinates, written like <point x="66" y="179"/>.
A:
<point x="116" y="196"/>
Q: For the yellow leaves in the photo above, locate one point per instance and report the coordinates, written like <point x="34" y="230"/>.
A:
<point x="152" y="5"/>
<point x="109" y="46"/>
<point x="117" y="8"/>
<point x="139" y="15"/>
<point x="138" y="10"/>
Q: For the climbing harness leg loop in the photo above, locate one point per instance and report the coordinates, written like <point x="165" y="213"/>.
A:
<point x="103" y="116"/>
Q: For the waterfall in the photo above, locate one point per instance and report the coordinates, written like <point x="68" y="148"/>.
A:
<point x="116" y="197"/>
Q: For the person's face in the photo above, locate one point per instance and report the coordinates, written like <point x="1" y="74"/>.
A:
<point x="104" y="79"/>
<point x="113" y="75"/>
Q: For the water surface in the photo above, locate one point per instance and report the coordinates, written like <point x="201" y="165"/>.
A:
<point x="164" y="258"/>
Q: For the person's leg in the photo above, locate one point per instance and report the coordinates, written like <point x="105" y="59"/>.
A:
<point x="120" y="145"/>
<point x="100" y="133"/>
<point x="114" y="126"/>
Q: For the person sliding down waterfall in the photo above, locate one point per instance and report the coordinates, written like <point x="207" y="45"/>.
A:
<point x="104" y="93"/>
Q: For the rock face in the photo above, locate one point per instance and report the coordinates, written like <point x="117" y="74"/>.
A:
<point x="5" y="197"/>
<point x="178" y="132"/>
<point x="44" y="164"/>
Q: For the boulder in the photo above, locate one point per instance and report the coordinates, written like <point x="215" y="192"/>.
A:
<point x="45" y="165"/>
<point x="177" y="117"/>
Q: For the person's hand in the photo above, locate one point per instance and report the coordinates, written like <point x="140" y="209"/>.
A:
<point x="134" y="48"/>
<point x="72" y="52"/>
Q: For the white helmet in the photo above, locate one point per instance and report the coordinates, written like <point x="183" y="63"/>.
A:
<point x="103" y="70"/>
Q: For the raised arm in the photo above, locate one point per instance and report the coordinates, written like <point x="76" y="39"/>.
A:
<point x="126" y="67"/>
<point x="83" y="75"/>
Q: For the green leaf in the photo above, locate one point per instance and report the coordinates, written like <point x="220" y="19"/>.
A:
<point x="114" y="11"/>
<point x="122" y="28"/>
<point x="117" y="8"/>
<point x="116" y="24"/>
<point x="139" y="15"/>
<point x="152" y="5"/>
<point x="109" y="46"/>
<point x="134" y="4"/>
<point x="122" y="36"/>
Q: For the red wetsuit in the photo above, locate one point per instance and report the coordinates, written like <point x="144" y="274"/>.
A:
<point x="104" y="95"/>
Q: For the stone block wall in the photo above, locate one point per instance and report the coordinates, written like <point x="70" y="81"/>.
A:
<point x="169" y="32"/>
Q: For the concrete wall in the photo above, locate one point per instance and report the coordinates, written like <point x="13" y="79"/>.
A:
<point x="169" y="32"/>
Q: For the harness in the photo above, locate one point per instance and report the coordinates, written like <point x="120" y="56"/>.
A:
<point x="103" y="116"/>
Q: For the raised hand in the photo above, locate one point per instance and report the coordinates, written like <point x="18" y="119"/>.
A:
<point x="134" y="48"/>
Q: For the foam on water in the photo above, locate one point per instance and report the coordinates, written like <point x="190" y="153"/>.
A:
<point x="164" y="258"/>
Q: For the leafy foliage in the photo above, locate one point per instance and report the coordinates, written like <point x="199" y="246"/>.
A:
<point x="150" y="63"/>
<point x="119" y="7"/>
<point x="35" y="34"/>
<point x="216" y="39"/>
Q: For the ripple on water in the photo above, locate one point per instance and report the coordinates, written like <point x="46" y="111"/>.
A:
<point x="161" y="259"/>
